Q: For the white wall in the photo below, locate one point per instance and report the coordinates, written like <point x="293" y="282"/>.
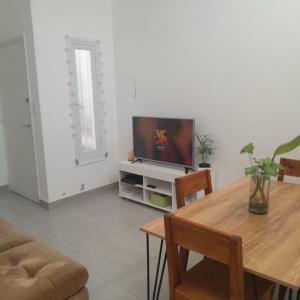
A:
<point x="15" y="21"/>
<point x="232" y="65"/>
<point x="3" y="164"/>
<point x="52" y="20"/>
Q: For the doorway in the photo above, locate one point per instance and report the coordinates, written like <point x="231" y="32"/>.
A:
<point x="17" y="119"/>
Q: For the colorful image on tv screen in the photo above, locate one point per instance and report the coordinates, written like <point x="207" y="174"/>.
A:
<point x="164" y="140"/>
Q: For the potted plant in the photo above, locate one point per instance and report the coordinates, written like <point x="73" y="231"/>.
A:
<point x="205" y="149"/>
<point x="261" y="170"/>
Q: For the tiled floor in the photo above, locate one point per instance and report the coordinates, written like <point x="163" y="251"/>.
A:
<point x="98" y="229"/>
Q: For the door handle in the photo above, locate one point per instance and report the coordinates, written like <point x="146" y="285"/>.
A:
<point x="26" y="125"/>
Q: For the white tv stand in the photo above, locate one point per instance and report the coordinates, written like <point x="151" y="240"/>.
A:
<point x="160" y="176"/>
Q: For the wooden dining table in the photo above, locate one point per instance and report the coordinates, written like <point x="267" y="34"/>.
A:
<point x="271" y="242"/>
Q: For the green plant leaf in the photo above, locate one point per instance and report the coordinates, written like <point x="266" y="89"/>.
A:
<point x="266" y="161"/>
<point x="268" y="167"/>
<point x="270" y="170"/>
<point x="247" y="149"/>
<point x="284" y="148"/>
<point x="251" y="170"/>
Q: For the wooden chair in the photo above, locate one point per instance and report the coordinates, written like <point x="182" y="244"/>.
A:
<point x="291" y="167"/>
<point x="220" y="275"/>
<point x="187" y="186"/>
<point x="191" y="184"/>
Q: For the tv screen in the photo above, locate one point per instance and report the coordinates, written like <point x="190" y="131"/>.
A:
<point x="164" y="140"/>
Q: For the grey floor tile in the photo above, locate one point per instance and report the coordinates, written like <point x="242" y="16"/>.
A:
<point x="18" y="208"/>
<point x="101" y="261"/>
<point x="98" y="229"/>
<point x="124" y="216"/>
<point x="113" y="257"/>
<point x="136" y="281"/>
<point x="194" y="258"/>
<point x="134" y="234"/>
<point x="45" y="221"/>
<point x="95" y="282"/>
<point x="113" y="292"/>
<point x="7" y="197"/>
<point x="75" y="236"/>
<point x="64" y="247"/>
<point x="123" y="250"/>
<point x="115" y="220"/>
<point x="90" y="204"/>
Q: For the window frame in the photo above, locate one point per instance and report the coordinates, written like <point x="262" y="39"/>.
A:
<point x="87" y="157"/>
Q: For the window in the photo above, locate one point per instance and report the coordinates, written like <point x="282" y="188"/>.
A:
<point x="87" y="103"/>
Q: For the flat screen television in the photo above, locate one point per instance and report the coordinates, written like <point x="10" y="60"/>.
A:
<point x="164" y="140"/>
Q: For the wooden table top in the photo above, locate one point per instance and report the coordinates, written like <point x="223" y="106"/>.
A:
<point x="271" y="243"/>
<point x="155" y="228"/>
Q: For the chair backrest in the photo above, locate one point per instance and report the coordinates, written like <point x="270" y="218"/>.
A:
<point x="211" y="243"/>
<point x="191" y="184"/>
<point x="291" y="167"/>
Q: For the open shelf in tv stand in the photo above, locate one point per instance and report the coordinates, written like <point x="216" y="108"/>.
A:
<point x="161" y="176"/>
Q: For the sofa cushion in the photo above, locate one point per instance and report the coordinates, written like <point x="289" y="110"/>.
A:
<point x="11" y="237"/>
<point x="34" y="272"/>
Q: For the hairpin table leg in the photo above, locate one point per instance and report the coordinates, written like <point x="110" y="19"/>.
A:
<point x="157" y="269"/>
<point x="157" y="288"/>
<point x="148" y="267"/>
<point x="161" y="276"/>
<point x="290" y="294"/>
<point x="255" y="287"/>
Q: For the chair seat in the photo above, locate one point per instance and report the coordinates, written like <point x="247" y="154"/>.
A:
<point x="210" y="280"/>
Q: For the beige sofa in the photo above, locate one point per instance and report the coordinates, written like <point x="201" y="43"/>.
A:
<point x="29" y="270"/>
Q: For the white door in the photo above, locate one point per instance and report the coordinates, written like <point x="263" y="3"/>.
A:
<point x="16" y="113"/>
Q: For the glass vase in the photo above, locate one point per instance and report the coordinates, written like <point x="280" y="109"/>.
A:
<point x="259" y="194"/>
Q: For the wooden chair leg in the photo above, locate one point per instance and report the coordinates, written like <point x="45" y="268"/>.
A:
<point x="282" y="292"/>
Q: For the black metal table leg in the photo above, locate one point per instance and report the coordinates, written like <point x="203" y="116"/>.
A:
<point x="157" y="288"/>
<point x="157" y="269"/>
<point x="290" y="294"/>
<point x="298" y="294"/>
<point x="161" y="276"/>
<point x="148" y="267"/>
<point x="255" y="287"/>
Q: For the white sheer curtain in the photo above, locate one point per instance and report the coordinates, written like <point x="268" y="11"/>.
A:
<point x="84" y="75"/>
